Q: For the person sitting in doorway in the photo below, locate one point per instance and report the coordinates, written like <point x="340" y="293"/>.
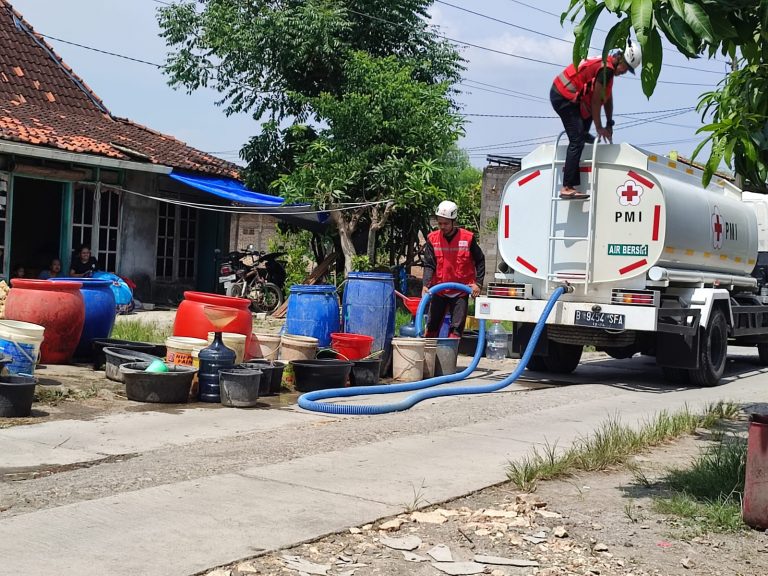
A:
<point x="54" y="270"/>
<point x="84" y="265"/>
<point x="18" y="272"/>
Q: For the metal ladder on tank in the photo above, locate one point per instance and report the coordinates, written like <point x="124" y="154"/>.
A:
<point x="558" y="278"/>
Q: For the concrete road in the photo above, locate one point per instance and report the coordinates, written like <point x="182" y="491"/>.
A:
<point x="180" y="490"/>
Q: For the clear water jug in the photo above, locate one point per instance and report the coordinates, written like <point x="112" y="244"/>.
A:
<point x="496" y="342"/>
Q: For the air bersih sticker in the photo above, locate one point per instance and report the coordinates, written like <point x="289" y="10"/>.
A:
<point x="627" y="249"/>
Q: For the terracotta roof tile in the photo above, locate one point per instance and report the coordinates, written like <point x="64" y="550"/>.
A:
<point x="52" y="106"/>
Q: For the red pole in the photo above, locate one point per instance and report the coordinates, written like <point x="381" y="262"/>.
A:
<point x="755" y="506"/>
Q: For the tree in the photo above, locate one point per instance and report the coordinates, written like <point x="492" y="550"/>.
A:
<point x="382" y="143"/>
<point x="738" y="109"/>
<point x="317" y="73"/>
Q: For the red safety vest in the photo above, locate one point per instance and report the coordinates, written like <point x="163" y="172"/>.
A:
<point x="453" y="260"/>
<point x="579" y="85"/>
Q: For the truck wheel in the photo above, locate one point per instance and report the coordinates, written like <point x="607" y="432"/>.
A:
<point x="563" y="358"/>
<point x="762" y="350"/>
<point x="621" y="353"/>
<point x="536" y="364"/>
<point x="713" y="352"/>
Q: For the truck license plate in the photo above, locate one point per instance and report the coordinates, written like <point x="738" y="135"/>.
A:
<point x="599" y="319"/>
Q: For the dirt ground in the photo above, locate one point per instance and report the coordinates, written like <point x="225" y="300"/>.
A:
<point x="594" y="524"/>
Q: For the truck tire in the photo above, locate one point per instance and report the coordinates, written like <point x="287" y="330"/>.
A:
<point x="563" y="358"/>
<point x="536" y="364"/>
<point x="713" y="352"/>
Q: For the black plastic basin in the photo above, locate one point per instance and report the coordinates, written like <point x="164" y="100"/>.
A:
<point x="118" y="356"/>
<point x="170" y="387"/>
<point x="311" y="375"/>
<point x="365" y="372"/>
<point x="100" y="343"/>
<point x="272" y="377"/>
<point x="16" y="396"/>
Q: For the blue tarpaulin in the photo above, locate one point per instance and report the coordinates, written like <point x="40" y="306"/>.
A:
<point x="229" y="189"/>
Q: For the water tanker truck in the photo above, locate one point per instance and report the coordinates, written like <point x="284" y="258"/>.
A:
<point x="656" y="263"/>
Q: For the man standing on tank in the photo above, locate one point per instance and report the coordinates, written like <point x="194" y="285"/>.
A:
<point x="579" y="94"/>
<point x="451" y="254"/>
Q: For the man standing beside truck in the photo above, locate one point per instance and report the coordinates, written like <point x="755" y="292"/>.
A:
<point x="451" y="254"/>
<point x="578" y="95"/>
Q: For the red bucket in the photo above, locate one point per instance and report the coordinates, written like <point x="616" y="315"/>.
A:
<point x="351" y="346"/>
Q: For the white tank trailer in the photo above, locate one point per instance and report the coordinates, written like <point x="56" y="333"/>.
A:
<point x="655" y="263"/>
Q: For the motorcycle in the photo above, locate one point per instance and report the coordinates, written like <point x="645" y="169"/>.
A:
<point x="257" y="276"/>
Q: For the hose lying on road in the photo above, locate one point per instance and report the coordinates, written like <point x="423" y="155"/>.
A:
<point x="309" y="401"/>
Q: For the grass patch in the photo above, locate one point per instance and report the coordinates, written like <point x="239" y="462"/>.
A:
<point x="611" y="444"/>
<point x="402" y="318"/>
<point x="707" y="495"/>
<point x="137" y="331"/>
<point x="55" y="395"/>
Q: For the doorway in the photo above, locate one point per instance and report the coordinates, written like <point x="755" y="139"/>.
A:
<point x="36" y="215"/>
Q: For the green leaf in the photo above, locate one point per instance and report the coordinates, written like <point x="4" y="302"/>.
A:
<point x="699" y="22"/>
<point x="653" y="54"/>
<point x="583" y="32"/>
<point x="679" y="33"/>
<point x="678" y="6"/>
<point x="613" y="5"/>
<point x="642" y="14"/>
<point x="616" y="37"/>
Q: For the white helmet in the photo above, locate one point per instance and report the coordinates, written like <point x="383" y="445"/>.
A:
<point x="633" y="55"/>
<point x="447" y="209"/>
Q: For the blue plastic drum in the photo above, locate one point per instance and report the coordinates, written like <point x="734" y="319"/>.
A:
<point x="100" y="311"/>
<point x="369" y="308"/>
<point x="313" y="311"/>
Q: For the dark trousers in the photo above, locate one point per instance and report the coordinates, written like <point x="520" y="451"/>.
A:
<point x="439" y="306"/>
<point x="577" y="129"/>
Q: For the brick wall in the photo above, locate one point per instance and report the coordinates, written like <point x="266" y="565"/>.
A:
<point x="494" y="180"/>
<point x="253" y="229"/>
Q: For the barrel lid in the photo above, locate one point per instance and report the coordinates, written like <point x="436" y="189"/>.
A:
<point x="380" y="276"/>
<point x="313" y="289"/>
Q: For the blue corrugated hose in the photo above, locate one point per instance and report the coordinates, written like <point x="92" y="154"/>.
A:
<point x="309" y="401"/>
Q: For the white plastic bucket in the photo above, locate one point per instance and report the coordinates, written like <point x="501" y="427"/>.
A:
<point x="179" y="349"/>
<point x="430" y="356"/>
<point x="294" y="347"/>
<point x="408" y="359"/>
<point x="21" y="341"/>
<point x="233" y="341"/>
<point x="270" y="344"/>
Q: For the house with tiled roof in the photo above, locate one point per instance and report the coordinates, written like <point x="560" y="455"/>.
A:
<point x="71" y="173"/>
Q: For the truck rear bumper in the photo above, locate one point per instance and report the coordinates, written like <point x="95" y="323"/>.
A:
<point x="641" y="318"/>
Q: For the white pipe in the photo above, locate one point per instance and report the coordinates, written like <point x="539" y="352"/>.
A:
<point x="659" y="274"/>
<point x="76" y="158"/>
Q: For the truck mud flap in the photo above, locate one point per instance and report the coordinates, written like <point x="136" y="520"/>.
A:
<point x="677" y="338"/>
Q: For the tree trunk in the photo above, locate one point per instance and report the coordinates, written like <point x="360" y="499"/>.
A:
<point x="379" y="216"/>
<point x="346" y="229"/>
<point x="371" y="249"/>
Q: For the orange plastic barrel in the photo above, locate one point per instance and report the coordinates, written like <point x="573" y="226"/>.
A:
<point x="57" y="306"/>
<point x="755" y="505"/>
<point x="201" y="312"/>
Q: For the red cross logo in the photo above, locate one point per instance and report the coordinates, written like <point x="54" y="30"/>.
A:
<point x="629" y="193"/>
<point x="717" y="228"/>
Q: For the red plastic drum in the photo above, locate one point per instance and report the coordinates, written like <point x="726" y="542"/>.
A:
<point x="57" y="306"/>
<point x="201" y="312"/>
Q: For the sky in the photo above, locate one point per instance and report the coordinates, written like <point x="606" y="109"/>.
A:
<point x="519" y="47"/>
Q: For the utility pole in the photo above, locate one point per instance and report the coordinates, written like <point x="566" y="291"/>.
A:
<point x="738" y="178"/>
